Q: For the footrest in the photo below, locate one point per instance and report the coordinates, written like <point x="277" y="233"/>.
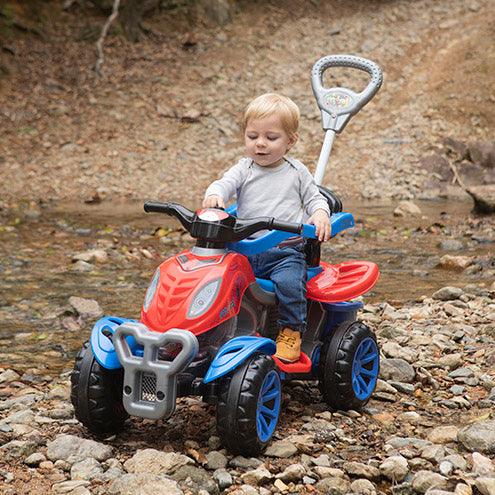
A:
<point x="302" y="366"/>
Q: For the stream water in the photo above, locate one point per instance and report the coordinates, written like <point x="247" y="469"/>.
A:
<point x="39" y="331"/>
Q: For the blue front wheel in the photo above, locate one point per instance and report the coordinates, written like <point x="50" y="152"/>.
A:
<point x="249" y="406"/>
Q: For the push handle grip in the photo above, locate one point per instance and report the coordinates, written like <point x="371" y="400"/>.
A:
<point x="338" y="105"/>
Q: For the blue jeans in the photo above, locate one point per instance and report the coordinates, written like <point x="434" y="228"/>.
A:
<point x="286" y="268"/>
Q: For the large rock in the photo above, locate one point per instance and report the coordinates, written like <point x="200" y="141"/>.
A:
<point x="397" y="370"/>
<point x="394" y="350"/>
<point x="455" y="263"/>
<point x="8" y="376"/>
<point x="86" y="470"/>
<point x="195" y="479"/>
<point x="448" y="293"/>
<point x="151" y="461"/>
<point x="281" y="449"/>
<point x="479" y="436"/>
<point x="394" y="468"/>
<point x="483" y="197"/>
<point x="333" y="486"/>
<point x="424" y="481"/>
<point x="443" y="434"/>
<point x="85" y="308"/>
<point x="294" y="472"/>
<point x="256" y="477"/>
<point x="483" y="465"/>
<point x="74" y="449"/>
<point x="482" y="153"/>
<point x="218" y="11"/>
<point x="360" y="470"/>
<point x="16" y="449"/>
<point x="98" y="255"/>
<point x="363" y="487"/>
<point x="486" y="486"/>
<point x="141" y="484"/>
<point x="407" y="209"/>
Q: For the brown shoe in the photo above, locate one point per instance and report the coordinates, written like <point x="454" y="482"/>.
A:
<point x="288" y="345"/>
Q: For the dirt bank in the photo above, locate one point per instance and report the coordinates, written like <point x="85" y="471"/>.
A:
<point x="162" y="122"/>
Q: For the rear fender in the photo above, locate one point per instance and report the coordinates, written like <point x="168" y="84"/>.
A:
<point x="102" y="344"/>
<point x="236" y="351"/>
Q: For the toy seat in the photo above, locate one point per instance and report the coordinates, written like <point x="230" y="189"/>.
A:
<point x="336" y="283"/>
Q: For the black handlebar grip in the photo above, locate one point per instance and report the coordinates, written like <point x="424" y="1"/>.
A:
<point x="295" y="228"/>
<point x="156" y="207"/>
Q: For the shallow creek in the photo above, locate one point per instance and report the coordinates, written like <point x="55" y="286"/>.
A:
<point x="37" y="276"/>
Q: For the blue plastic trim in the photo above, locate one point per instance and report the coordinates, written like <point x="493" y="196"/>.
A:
<point x="260" y="244"/>
<point x="236" y="351"/>
<point x="266" y="284"/>
<point x="339" y="313"/>
<point x="270" y="287"/>
<point x="313" y="271"/>
<point x="344" y="306"/>
<point x="365" y="367"/>
<point x="102" y="346"/>
<point x="341" y="221"/>
<point x="248" y="247"/>
<point x="268" y="409"/>
<point x="232" y="209"/>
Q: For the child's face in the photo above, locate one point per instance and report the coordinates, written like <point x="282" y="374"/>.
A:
<point x="266" y="140"/>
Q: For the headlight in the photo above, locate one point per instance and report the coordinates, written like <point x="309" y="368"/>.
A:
<point x="204" y="298"/>
<point x="151" y="290"/>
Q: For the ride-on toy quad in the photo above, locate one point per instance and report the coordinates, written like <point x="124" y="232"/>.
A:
<point x="207" y="324"/>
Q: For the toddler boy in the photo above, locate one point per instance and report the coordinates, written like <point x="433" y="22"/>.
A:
<point x="269" y="183"/>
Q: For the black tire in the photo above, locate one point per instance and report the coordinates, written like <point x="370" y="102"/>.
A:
<point x="96" y="394"/>
<point x="237" y="406"/>
<point x="335" y="370"/>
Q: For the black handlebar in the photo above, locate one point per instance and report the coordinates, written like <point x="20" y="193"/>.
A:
<point x="228" y="230"/>
<point x="156" y="207"/>
<point x="294" y="228"/>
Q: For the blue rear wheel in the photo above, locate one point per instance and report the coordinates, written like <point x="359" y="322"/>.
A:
<point x="349" y="366"/>
<point x="365" y="368"/>
<point x="249" y="406"/>
<point x="268" y="406"/>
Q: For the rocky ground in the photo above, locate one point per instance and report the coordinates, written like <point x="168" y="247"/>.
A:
<point x="163" y="121"/>
<point x="429" y="428"/>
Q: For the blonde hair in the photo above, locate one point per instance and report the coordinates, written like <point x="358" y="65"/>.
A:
<point x="270" y="104"/>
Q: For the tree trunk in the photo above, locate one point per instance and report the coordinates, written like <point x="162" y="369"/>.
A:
<point x="132" y="13"/>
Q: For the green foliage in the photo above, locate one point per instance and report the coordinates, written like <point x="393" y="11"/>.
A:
<point x="6" y="20"/>
<point x="28" y="130"/>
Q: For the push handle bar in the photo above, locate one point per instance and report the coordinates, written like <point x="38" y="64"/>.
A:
<point x="338" y="105"/>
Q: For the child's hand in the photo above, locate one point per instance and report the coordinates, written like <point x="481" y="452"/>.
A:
<point x="213" y="201"/>
<point x="321" y="221"/>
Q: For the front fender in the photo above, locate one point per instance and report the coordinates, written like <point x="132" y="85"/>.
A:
<point x="102" y="345"/>
<point x="236" y="351"/>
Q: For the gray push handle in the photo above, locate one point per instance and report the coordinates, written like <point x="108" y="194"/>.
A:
<point x="338" y="105"/>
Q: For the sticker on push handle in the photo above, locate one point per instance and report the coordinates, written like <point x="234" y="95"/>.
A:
<point x="337" y="100"/>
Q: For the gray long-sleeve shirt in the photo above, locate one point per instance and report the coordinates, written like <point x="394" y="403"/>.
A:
<point x="287" y="192"/>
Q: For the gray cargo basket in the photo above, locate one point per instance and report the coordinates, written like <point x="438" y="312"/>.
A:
<point x="150" y="383"/>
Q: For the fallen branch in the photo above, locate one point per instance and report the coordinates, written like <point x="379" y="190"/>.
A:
<point x="457" y="177"/>
<point x="101" y="39"/>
